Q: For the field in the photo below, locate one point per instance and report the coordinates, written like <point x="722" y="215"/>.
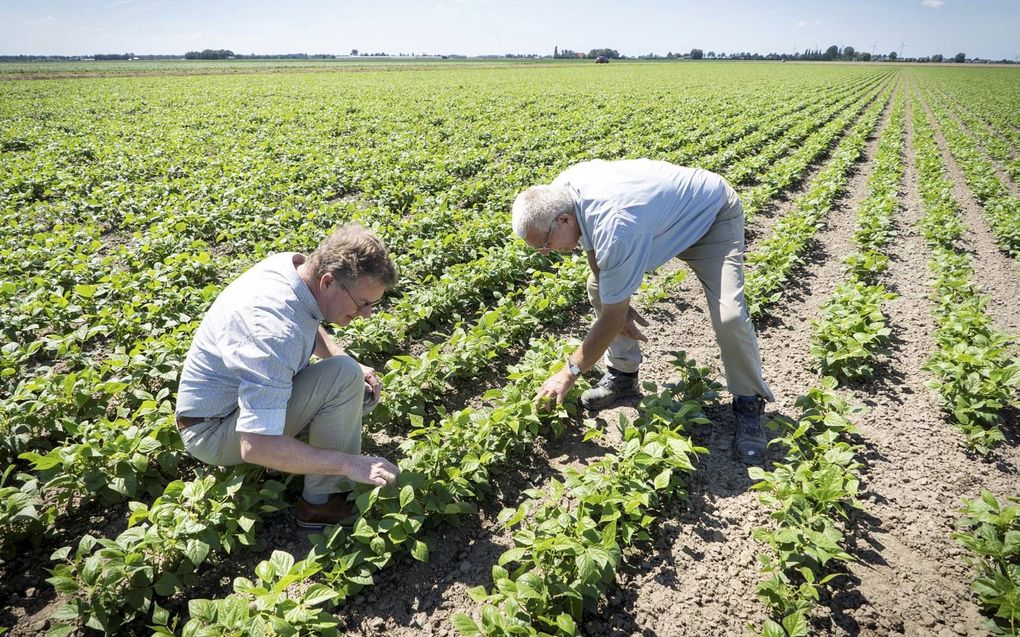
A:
<point x="883" y="231"/>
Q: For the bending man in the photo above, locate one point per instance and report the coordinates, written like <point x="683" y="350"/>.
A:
<point x="247" y="389"/>
<point x="632" y="216"/>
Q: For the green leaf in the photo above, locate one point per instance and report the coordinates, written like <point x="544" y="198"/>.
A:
<point x="464" y="624"/>
<point x="420" y="551"/>
<point x="406" y="496"/>
<point x="566" y="624"/>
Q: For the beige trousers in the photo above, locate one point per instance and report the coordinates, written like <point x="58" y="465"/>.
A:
<point x="718" y="261"/>
<point x="325" y="403"/>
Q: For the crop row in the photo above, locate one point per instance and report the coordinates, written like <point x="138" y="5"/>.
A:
<point x="975" y="371"/>
<point x="770" y="264"/>
<point x="853" y="330"/>
<point x="810" y="492"/>
<point x="568" y="546"/>
<point x="990" y="530"/>
<point x="1002" y="209"/>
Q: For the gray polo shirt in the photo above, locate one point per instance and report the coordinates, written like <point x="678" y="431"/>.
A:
<point x="637" y="214"/>
<point x="258" y="334"/>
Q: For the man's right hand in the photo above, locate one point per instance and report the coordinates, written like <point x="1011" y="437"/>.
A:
<point x="373" y="470"/>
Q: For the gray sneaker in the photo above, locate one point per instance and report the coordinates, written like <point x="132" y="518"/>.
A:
<point x="750" y="441"/>
<point x="613" y="390"/>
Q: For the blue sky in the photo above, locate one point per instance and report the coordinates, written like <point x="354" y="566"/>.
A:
<point x="980" y="28"/>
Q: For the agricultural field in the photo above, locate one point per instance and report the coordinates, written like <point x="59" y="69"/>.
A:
<point x="883" y="269"/>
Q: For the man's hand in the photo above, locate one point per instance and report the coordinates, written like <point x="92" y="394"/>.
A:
<point x="372" y="382"/>
<point x="373" y="470"/>
<point x="630" y="329"/>
<point x="555" y="388"/>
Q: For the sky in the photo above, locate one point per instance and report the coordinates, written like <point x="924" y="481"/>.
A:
<point x="979" y="28"/>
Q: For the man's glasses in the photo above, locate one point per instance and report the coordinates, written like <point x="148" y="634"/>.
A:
<point x="362" y="307"/>
<point x="548" y="235"/>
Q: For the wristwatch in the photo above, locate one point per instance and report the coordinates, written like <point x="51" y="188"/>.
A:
<point x="574" y="370"/>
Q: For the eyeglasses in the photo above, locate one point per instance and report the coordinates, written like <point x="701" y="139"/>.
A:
<point x="548" y="236"/>
<point x="362" y="307"/>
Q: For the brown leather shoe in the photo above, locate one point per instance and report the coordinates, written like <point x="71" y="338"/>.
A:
<point x="316" y="516"/>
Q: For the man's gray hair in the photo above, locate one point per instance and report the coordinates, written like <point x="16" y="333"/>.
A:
<point x="537" y="207"/>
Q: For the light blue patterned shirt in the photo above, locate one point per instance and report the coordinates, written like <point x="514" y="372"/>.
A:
<point x="258" y="334"/>
<point x="637" y="214"/>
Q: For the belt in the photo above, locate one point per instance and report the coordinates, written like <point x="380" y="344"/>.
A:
<point x="183" y="422"/>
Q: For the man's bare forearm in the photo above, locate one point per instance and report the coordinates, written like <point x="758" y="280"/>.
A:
<point x="284" y="453"/>
<point x="601" y="334"/>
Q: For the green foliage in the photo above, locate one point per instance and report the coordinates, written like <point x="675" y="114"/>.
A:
<point x="567" y="548"/>
<point x="990" y="530"/>
<point x="975" y="370"/>
<point x="809" y="494"/>
<point x="109" y="582"/>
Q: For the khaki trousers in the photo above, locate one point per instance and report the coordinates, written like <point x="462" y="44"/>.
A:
<point x="325" y="403"/>
<point x="718" y="261"/>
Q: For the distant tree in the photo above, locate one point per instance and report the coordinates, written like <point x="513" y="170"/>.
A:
<point x="556" y="51"/>
<point x="108" y="57"/>
<point x="354" y="52"/>
<point x="960" y="58"/>
<point x="937" y="58"/>
<point x="865" y="57"/>
<point x="566" y="54"/>
<point x="831" y="53"/>
<point x="848" y="53"/>
<point x="209" y="54"/>
<point x="892" y="55"/>
<point x="710" y="55"/>
<point x="697" y="54"/>
<point x="612" y="54"/>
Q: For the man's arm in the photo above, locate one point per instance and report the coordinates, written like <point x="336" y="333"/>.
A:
<point x="596" y="342"/>
<point x="325" y="347"/>
<point x="284" y="453"/>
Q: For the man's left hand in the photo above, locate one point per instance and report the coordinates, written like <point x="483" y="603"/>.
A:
<point x="555" y="388"/>
<point x="372" y="382"/>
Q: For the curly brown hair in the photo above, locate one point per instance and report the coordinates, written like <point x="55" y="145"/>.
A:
<point x="350" y="253"/>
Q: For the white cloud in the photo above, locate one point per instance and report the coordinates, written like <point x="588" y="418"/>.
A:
<point x="933" y="4"/>
<point x="808" y="23"/>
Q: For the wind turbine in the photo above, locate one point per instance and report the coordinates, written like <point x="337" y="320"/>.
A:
<point x="873" y="47"/>
<point x="901" y="48"/>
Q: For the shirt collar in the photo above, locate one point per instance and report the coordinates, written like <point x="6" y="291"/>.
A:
<point x="301" y="288"/>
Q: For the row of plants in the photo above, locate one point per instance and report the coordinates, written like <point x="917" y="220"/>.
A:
<point x="812" y="491"/>
<point x="975" y="370"/>
<point x="769" y="266"/>
<point x="568" y="545"/>
<point x="1002" y="209"/>
<point x="997" y="148"/>
<point x="990" y="530"/>
<point x="446" y="470"/>
<point x="811" y="494"/>
<point x="852" y="330"/>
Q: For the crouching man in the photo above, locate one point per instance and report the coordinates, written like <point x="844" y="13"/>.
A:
<point x="247" y="389"/>
<point x="632" y="216"/>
